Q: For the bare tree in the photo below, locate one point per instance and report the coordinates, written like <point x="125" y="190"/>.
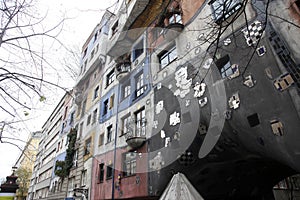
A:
<point x="22" y="54"/>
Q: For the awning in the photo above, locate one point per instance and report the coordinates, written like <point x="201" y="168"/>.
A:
<point x="180" y="188"/>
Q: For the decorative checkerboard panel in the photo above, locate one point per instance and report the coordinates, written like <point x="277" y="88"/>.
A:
<point x="253" y="33"/>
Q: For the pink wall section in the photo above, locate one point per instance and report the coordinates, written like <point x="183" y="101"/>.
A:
<point x="128" y="186"/>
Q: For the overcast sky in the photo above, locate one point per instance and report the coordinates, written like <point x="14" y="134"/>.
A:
<point x="82" y="16"/>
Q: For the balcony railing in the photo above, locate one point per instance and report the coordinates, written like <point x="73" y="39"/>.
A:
<point x="122" y="69"/>
<point x="136" y="138"/>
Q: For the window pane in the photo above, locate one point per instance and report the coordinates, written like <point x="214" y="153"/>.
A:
<point x="172" y="55"/>
<point x="129" y="163"/>
<point x="133" y="167"/>
<point x="168" y="57"/>
<point x="172" y="19"/>
<point x="125" y="125"/>
<point x="224" y="9"/>
<point x="126" y="91"/>
<point x="139" y="85"/>
<point x="178" y="18"/>
<point x="140" y="123"/>
<point x="164" y="61"/>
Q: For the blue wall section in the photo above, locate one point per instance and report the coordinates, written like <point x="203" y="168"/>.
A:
<point x="131" y="99"/>
<point x="112" y="111"/>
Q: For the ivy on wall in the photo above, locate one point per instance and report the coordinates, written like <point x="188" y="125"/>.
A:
<point x="62" y="168"/>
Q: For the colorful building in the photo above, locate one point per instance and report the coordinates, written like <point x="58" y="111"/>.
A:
<point x="206" y="89"/>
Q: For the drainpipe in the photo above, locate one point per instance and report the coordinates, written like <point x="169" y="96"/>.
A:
<point x="115" y="146"/>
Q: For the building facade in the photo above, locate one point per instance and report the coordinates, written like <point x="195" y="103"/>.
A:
<point x="49" y="147"/>
<point x="25" y="163"/>
<point x="209" y="89"/>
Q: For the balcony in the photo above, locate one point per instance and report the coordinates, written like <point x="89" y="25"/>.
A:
<point x="136" y="138"/>
<point x="174" y="25"/>
<point x="122" y="69"/>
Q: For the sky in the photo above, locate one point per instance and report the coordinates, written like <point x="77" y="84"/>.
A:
<point x="81" y="18"/>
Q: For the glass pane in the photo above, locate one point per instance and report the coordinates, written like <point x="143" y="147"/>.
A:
<point x="133" y="167"/>
<point x="178" y="18"/>
<point x="172" y="19"/>
<point x="164" y="61"/>
<point x="172" y="55"/>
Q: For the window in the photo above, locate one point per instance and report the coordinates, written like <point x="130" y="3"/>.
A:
<point x="71" y="185"/>
<point x="83" y="178"/>
<point x="72" y="118"/>
<point x="80" y="130"/>
<point x="92" y="54"/>
<point x="108" y="104"/>
<point x="95" y="116"/>
<point x="65" y="113"/>
<point x="166" y="57"/>
<point x="84" y="66"/>
<point x="114" y="28"/>
<point x="84" y="53"/>
<point x="126" y="90"/>
<point x="109" y="172"/>
<point x="105" y="28"/>
<point x="140" y="122"/>
<point x="129" y="163"/>
<point x="175" y="18"/>
<point x="253" y="120"/>
<point x="138" y="49"/>
<point x="101" y="139"/>
<point x="223" y="9"/>
<point x="75" y="158"/>
<point x="83" y="108"/>
<point x="224" y="66"/>
<point x="88" y="121"/>
<point x="105" y="107"/>
<point x="109" y="133"/>
<point x="110" y="77"/>
<point x="101" y="172"/>
<point x="87" y="147"/>
<point x="96" y="92"/>
<point x="125" y="124"/>
<point x="111" y="101"/>
<point x="139" y="85"/>
<point x="96" y="48"/>
<point x="96" y="36"/>
<point x="58" y="147"/>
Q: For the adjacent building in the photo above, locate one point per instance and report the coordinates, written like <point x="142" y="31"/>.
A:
<point x="25" y="163"/>
<point x="50" y="145"/>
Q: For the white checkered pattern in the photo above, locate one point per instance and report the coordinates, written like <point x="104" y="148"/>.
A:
<point x="253" y="33"/>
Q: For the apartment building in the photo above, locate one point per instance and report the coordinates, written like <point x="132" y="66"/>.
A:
<point x="194" y="113"/>
<point x="88" y="91"/>
<point x="48" y="148"/>
<point x="208" y="89"/>
<point x="125" y="109"/>
<point x="25" y="163"/>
